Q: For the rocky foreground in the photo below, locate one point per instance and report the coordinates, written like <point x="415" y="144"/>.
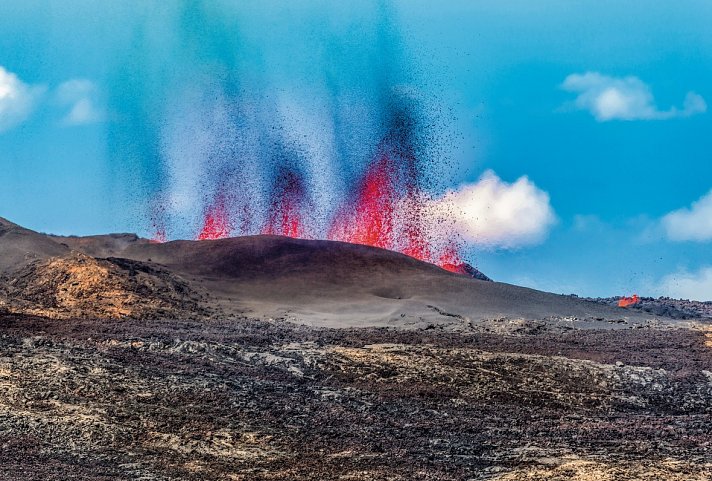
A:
<point x="269" y="400"/>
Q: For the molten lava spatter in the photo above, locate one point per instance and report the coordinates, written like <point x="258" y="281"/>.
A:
<point x="216" y="221"/>
<point x="387" y="210"/>
<point x="387" y="207"/>
<point x="450" y="260"/>
<point x="416" y="243"/>
<point x="159" y="236"/>
<point x="369" y="217"/>
<point x="158" y="223"/>
<point x="286" y="213"/>
<point x="628" y="301"/>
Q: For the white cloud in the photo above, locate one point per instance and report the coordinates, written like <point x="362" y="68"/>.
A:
<point x="494" y="213"/>
<point x="624" y="98"/>
<point x="80" y="96"/>
<point x="688" y="285"/>
<point x="690" y="224"/>
<point x="17" y="99"/>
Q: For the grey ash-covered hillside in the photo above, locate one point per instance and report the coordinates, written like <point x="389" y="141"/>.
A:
<point x="316" y="282"/>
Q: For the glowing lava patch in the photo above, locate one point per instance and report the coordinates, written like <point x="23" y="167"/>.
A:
<point x="216" y="221"/>
<point x="628" y="301"/>
<point x="369" y="217"/>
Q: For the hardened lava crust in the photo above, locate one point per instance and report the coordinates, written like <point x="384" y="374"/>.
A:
<point x="265" y="400"/>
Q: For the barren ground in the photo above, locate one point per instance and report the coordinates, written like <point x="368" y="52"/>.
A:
<point x="258" y="400"/>
<point x="126" y="359"/>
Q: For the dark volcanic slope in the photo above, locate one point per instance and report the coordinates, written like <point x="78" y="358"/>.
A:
<point x="42" y="275"/>
<point x="317" y="282"/>
<point x="338" y="284"/>
<point x="20" y="246"/>
<point x="472" y="391"/>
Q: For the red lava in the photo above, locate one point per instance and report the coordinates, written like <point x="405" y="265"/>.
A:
<point x="628" y="301"/>
<point x="368" y="219"/>
<point x="216" y="222"/>
<point x="450" y="260"/>
<point x="385" y="208"/>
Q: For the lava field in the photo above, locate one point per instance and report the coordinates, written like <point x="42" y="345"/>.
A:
<point x="259" y="400"/>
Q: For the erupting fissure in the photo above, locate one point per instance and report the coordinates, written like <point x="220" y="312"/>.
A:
<point x="450" y="260"/>
<point x="286" y="216"/>
<point x="368" y="218"/>
<point x="386" y="207"/>
<point x="216" y="221"/>
<point x="160" y="235"/>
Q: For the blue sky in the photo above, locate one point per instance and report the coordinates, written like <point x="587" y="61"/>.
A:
<point x="601" y="105"/>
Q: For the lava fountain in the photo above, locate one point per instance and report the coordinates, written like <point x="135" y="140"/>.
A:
<point x="287" y="207"/>
<point x="384" y="208"/>
<point x="216" y="220"/>
<point x="368" y="217"/>
<point x="389" y="204"/>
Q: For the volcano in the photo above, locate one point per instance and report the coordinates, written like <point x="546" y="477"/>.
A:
<point x="316" y="282"/>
